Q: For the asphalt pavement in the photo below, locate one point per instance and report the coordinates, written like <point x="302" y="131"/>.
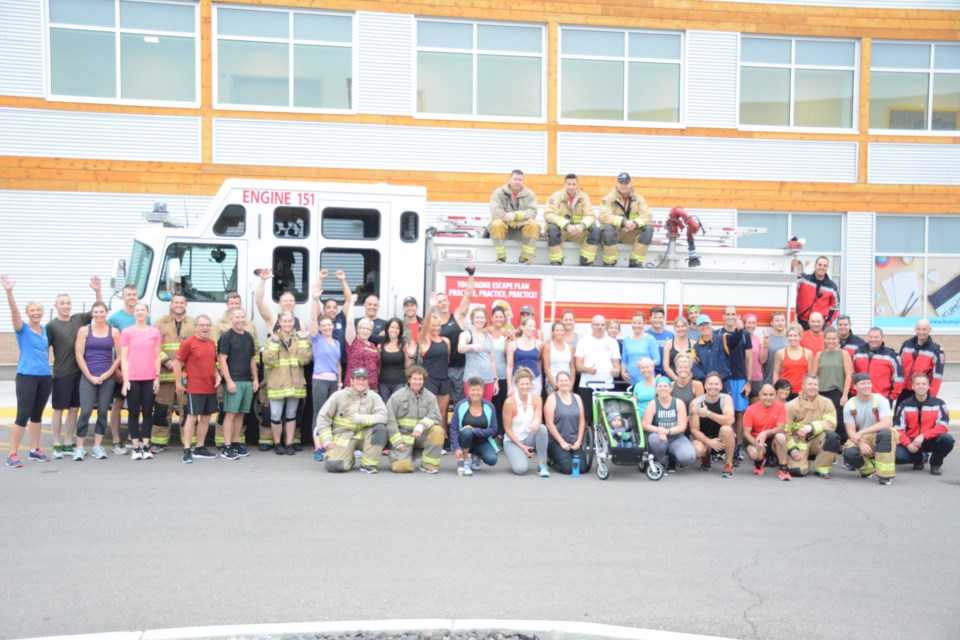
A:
<point x="118" y="545"/>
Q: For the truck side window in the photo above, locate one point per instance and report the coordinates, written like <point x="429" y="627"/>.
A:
<point x="340" y="223"/>
<point x="409" y="226"/>
<point x="291" y="222"/>
<point x="361" y="266"/>
<point x="290" y="273"/>
<point x="232" y="222"/>
<point x="207" y="271"/>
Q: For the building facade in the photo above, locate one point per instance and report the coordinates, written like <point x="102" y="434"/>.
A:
<point x="835" y="121"/>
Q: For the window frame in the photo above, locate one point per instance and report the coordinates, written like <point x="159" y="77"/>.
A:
<point x="474" y="51"/>
<point x="193" y="245"/>
<point x="793" y="67"/>
<point x="930" y="71"/>
<point x="626" y="59"/>
<point x="117" y="30"/>
<point x="290" y="41"/>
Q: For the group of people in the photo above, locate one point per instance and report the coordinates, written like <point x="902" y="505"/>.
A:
<point x="464" y="380"/>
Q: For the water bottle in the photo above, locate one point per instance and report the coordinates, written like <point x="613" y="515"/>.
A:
<point x="576" y="466"/>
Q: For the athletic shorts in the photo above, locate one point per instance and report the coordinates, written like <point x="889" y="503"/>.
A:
<point x="740" y="402"/>
<point x="438" y="387"/>
<point x="202" y="404"/>
<point x="241" y="400"/>
<point x="66" y="391"/>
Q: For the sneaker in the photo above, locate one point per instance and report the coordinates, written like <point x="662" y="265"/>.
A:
<point x="187" y="457"/>
<point x="78" y="454"/>
<point x="68" y="448"/>
<point x="119" y="449"/>
<point x="705" y="463"/>
<point x="57" y="454"/>
<point x="280" y="450"/>
<point x="265" y="447"/>
<point x="884" y="482"/>
<point x="460" y="466"/>
<point x="918" y="466"/>
<point x="291" y="449"/>
<point x="203" y="452"/>
<point x="297" y="446"/>
<point x="370" y="470"/>
<point x="825" y="476"/>
<point x="936" y="471"/>
<point x="147" y="454"/>
<point x="475" y="462"/>
<point x="137" y="454"/>
<point x="13" y="461"/>
<point x="758" y="468"/>
<point x="156" y="448"/>
<point x="784" y="474"/>
<point x="542" y="471"/>
<point x="671" y="465"/>
<point x="230" y="453"/>
<point x="467" y="470"/>
<point x="318" y="455"/>
<point x="430" y="471"/>
<point x="242" y="450"/>
<point x="37" y="456"/>
<point x="850" y="467"/>
<point x="99" y="453"/>
<point x="727" y="471"/>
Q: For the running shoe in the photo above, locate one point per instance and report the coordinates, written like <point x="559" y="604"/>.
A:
<point x="543" y="472"/>
<point x="242" y="450"/>
<point x="848" y="466"/>
<point x="475" y="462"/>
<point x="292" y="449"/>
<point x="758" y="468"/>
<point x="78" y="454"/>
<point x="187" y="457"/>
<point x="918" y="466"/>
<point x="68" y="448"/>
<point x="825" y="476"/>
<point x="137" y="454"/>
<point x="727" y="470"/>
<point x="430" y="471"/>
<point x="156" y="448"/>
<point x="784" y="474"/>
<point x="13" y="461"/>
<point x="318" y="455"/>
<point x="705" y="463"/>
<point x="297" y="446"/>
<point x="99" y="453"/>
<point x="230" y="453"/>
<point x="203" y="452"/>
<point x="265" y="447"/>
<point x="147" y="453"/>
<point x="936" y="470"/>
<point x="370" y="470"/>
<point x="119" y="449"/>
<point x="885" y="482"/>
<point x="279" y="450"/>
<point x="671" y="465"/>
<point x="37" y="456"/>
<point x="57" y="453"/>
<point x="467" y="469"/>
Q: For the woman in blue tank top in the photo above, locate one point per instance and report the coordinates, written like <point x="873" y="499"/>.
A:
<point x="525" y="352"/>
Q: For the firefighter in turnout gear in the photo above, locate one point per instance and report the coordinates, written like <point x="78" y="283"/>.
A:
<point x="513" y="209"/>
<point x="350" y="418"/>
<point x="872" y="440"/>
<point x="413" y="422"/>
<point x="284" y="356"/>
<point x="625" y="218"/>
<point x="570" y="219"/>
<point x="175" y="327"/>
<point x="811" y="431"/>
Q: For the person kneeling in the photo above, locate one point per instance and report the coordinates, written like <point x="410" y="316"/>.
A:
<point x="413" y="422"/>
<point x="763" y="429"/>
<point x="472" y="429"/>
<point x="868" y="421"/>
<point x="350" y="417"/>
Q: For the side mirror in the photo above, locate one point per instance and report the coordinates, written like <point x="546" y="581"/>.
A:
<point x="118" y="276"/>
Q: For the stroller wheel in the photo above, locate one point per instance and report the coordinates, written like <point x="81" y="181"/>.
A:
<point x="654" y="470"/>
<point x="603" y="471"/>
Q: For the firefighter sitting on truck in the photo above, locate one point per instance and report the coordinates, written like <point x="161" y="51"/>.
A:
<point x="350" y="418"/>
<point x="872" y="440"/>
<point x="811" y="431"/>
<point x="570" y="219"/>
<point x="513" y="208"/>
<point x="626" y="219"/>
<point x="175" y="327"/>
<point x="413" y="422"/>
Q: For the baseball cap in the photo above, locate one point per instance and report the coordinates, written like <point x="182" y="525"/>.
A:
<point x="623" y="177"/>
<point x="703" y="319"/>
<point x="693" y="307"/>
<point x="860" y="377"/>
<point x="360" y="372"/>
<point x="408" y="300"/>
<point x="526" y="309"/>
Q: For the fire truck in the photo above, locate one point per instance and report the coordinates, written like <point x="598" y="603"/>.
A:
<point x="381" y="236"/>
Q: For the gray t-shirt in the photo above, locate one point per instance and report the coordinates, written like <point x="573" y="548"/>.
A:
<point x="865" y="417"/>
<point x="62" y="335"/>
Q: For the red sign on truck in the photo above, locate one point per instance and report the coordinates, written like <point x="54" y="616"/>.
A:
<point x="511" y="294"/>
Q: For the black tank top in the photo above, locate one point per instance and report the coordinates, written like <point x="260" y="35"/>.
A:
<point x="674" y="353"/>
<point x="451" y="331"/>
<point x="708" y="425"/>
<point x="392" y="365"/>
<point x="435" y="361"/>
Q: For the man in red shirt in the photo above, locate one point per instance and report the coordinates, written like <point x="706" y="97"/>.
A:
<point x="763" y="425"/>
<point x="812" y="338"/>
<point x="197" y="357"/>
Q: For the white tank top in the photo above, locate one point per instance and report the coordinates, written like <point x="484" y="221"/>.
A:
<point x="523" y="418"/>
<point x="560" y="360"/>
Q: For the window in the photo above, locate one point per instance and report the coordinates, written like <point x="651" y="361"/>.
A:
<point x="232" y="222"/>
<point x="787" y="82"/>
<point x="360" y="266"/>
<point x="291" y="222"/>
<point x="915" y="86"/>
<point x="409" y="226"/>
<point x="207" y="271"/>
<point x="350" y="224"/>
<point x="284" y="59"/>
<point x="123" y="50"/>
<point x="290" y="269"/>
<point x="467" y="69"/>
<point x="141" y="258"/>
<point x="620" y="76"/>
<point x="917" y="271"/>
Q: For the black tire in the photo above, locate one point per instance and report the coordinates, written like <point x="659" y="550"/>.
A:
<point x="586" y="462"/>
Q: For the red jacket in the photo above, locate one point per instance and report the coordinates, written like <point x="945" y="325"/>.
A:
<point x="927" y="357"/>
<point x="822" y="296"/>
<point x="851" y="344"/>
<point x="928" y="418"/>
<point x="883" y="367"/>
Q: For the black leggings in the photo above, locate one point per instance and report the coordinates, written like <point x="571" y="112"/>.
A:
<point x="33" y="392"/>
<point x="140" y="399"/>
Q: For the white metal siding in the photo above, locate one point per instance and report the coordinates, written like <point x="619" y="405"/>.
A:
<point x="361" y="146"/>
<point x="385" y="79"/>
<point x="906" y="163"/>
<point x="707" y="158"/>
<point x="712" y="79"/>
<point x="21" y="48"/>
<point x="865" y="4"/>
<point x="856" y="297"/>
<point x="107" y="136"/>
<point x="81" y="235"/>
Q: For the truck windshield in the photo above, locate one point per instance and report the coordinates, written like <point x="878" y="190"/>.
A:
<point x="139" y="270"/>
